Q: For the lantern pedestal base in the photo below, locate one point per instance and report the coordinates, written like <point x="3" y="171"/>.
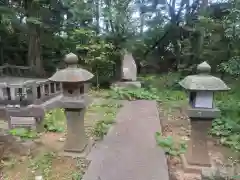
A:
<point x="83" y="153"/>
<point x="197" y="155"/>
<point x="188" y="168"/>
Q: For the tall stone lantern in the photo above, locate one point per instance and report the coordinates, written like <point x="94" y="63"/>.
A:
<point x="74" y="101"/>
<point x="201" y="111"/>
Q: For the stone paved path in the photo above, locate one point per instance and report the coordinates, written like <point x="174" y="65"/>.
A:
<point x="129" y="151"/>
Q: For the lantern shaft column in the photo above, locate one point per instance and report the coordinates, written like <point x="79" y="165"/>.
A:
<point x="76" y="138"/>
<point x="197" y="152"/>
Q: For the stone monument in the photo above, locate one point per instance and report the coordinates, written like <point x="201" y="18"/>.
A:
<point x="74" y="101"/>
<point x="129" y="68"/>
<point x="128" y="72"/>
<point x="201" y="112"/>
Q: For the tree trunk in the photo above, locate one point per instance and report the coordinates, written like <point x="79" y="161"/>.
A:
<point x="97" y="16"/>
<point x="141" y="23"/>
<point x="1" y="52"/>
<point x="34" y="51"/>
<point x="31" y="49"/>
<point x="38" y="59"/>
<point x="204" y="4"/>
<point x="200" y="36"/>
<point x="34" y="45"/>
<point x="177" y="55"/>
<point x="108" y="3"/>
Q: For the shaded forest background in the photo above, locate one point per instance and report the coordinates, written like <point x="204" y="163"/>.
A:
<point x="163" y="35"/>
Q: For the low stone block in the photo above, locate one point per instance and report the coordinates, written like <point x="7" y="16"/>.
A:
<point x="30" y="117"/>
<point x="22" y="122"/>
<point x="216" y="174"/>
<point x="127" y="84"/>
<point x="207" y="174"/>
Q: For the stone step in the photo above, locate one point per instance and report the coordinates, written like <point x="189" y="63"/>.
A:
<point x="129" y="150"/>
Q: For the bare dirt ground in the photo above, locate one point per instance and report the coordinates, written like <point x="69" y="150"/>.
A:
<point x="175" y="123"/>
<point x="26" y="167"/>
<point x="25" y="160"/>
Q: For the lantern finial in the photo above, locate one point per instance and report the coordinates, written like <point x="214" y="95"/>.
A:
<point x="71" y="59"/>
<point x="204" y="68"/>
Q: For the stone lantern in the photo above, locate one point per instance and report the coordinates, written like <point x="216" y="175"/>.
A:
<point x="74" y="101"/>
<point x="201" y="111"/>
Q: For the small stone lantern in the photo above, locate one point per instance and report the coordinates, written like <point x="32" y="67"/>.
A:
<point x="74" y="101"/>
<point x="201" y="112"/>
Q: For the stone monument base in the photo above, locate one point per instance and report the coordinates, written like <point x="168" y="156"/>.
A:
<point x="76" y="154"/>
<point x="127" y="84"/>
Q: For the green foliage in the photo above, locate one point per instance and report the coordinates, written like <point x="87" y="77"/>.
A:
<point x="165" y="87"/>
<point x="77" y="176"/>
<point x="162" y="88"/>
<point x="161" y="81"/>
<point x="54" y="120"/>
<point x="103" y="29"/>
<point x="134" y="94"/>
<point x="169" y="146"/>
<point x="231" y="21"/>
<point x="231" y="67"/>
<point x="102" y="126"/>
<point x="23" y="133"/>
<point x="228" y="126"/>
<point x="228" y="132"/>
<point x="99" y="57"/>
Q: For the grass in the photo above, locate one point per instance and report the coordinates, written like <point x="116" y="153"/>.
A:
<point x="42" y="163"/>
<point x="55" y="120"/>
<point x="23" y="133"/>
<point x="108" y="111"/>
<point x="227" y="127"/>
<point x="166" y="86"/>
<point x="162" y="88"/>
<point x="170" y="147"/>
<point x="49" y="165"/>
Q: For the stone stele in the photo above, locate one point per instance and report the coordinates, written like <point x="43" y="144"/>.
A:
<point x="129" y="68"/>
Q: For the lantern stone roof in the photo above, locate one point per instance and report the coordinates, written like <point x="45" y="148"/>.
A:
<point x="72" y="73"/>
<point x="203" y="81"/>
